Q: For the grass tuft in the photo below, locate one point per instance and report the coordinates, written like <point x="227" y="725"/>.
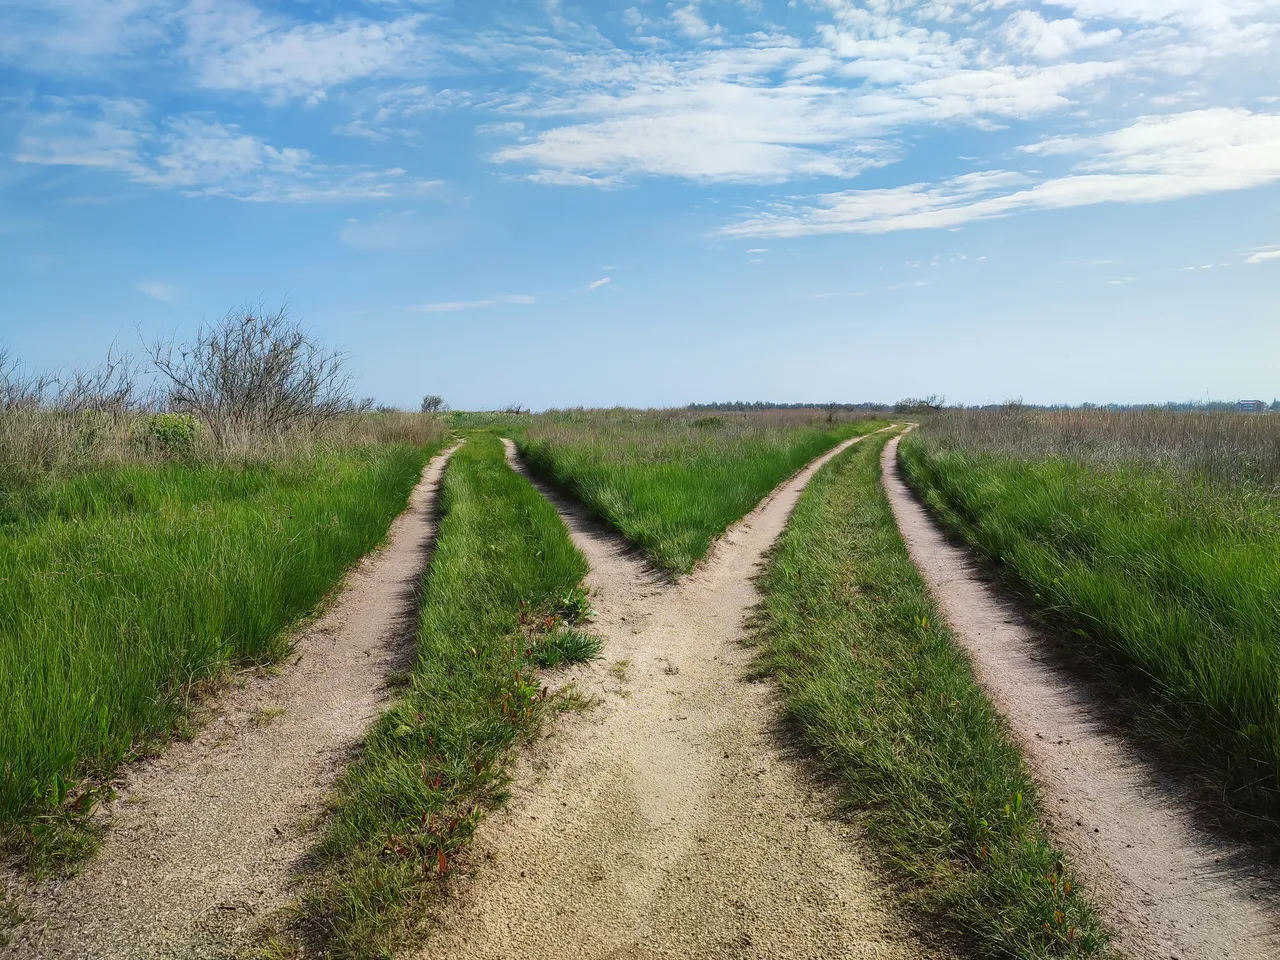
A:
<point x="565" y="645"/>
<point x="873" y="678"/>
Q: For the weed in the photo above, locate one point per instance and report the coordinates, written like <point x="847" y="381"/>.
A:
<point x="563" y="645"/>
<point x="570" y="698"/>
<point x="874" y="680"/>
<point x="263" y="716"/>
<point x="620" y="670"/>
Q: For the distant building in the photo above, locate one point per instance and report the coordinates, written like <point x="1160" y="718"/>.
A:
<point x="1253" y="406"/>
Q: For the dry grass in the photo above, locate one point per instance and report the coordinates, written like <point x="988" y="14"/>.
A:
<point x="1222" y="448"/>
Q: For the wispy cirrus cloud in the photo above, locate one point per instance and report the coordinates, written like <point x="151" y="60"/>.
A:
<point x="455" y="306"/>
<point x="1156" y="158"/>
<point x="1263" y="255"/>
<point x="156" y="290"/>
<point x="193" y="155"/>
<point x="597" y="284"/>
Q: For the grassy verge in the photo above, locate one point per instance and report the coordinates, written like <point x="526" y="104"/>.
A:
<point x="498" y="595"/>
<point x="1166" y="585"/>
<point x="125" y="588"/>
<point x="873" y="678"/>
<point x="672" y="484"/>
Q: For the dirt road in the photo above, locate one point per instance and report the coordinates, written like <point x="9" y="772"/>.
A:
<point x="1167" y="889"/>
<point x="205" y="841"/>
<point x="671" y="820"/>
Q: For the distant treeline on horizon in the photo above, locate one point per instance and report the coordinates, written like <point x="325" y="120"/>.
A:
<point x="1186" y="406"/>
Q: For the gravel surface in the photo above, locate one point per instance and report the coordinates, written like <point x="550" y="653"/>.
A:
<point x="206" y="840"/>
<point x="671" y="820"/>
<point x="1168" y="890"/>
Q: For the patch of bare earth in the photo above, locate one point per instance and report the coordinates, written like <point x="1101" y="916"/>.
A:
<point x="671" y="820"/>
<point x="208" y="839"/>
<point x="1168" y="890"/>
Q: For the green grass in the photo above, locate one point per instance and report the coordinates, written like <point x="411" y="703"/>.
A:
<point x="874" y="680"/>
<point x="504" y="574"/>
<point x="673" y="483"/>
<point x="126" y="588"/>
<point x="1167" y="585"/>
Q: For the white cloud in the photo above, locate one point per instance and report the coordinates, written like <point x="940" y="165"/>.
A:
<point x="234" y="46"/>
<point x="690" y="22"/>
<point x="158" y="291"/>
<point x="454" y="306"/>
<point x="1156" y="158"/>
<point x="1045" y="39"/>
<point x="76" y="36"/>
<point x="191" y="154"/>
<point x="597" y="284"/>
<point x="1262" y="256"/>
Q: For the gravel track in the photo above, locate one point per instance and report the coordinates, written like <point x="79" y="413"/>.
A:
<point x="671" y="820"/>
<point x="205" y="841"/>
<point x="1168" y="890"/>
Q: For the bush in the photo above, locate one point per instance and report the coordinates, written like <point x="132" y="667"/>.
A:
<point x="170" y="434"/>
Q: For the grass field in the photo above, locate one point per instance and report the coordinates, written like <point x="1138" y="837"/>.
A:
<point x="501" y="595"/>
<point x="127" y="586"/>
<point x="1152" y="543"/>
<point x="873" y="678"/>
<point x="670" y="481"/>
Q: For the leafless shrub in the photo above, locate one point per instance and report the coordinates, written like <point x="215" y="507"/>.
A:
<point x="255" y="371"/>
<point x="19" y="388"/>
<point x="432" y="403"/>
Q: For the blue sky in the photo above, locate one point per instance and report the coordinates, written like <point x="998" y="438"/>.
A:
<point x="649" y="203"/>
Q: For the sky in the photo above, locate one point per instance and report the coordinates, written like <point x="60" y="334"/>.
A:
<point x="652" y="203"/>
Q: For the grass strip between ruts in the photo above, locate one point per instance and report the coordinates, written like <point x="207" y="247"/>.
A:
<point x="875" y="681"/>
<point x="436" y="761"/>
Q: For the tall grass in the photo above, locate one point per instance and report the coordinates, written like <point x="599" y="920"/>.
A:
<point x="874" y="679"/>
<point x="504" y="571"/>
<point x="125" y="586"/>
<point x="1151" y="542"/>
<point x="671" y="481"/>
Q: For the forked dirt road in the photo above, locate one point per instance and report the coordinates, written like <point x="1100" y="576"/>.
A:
<point x="671" y="820"/>
<point x="206" y="841"/>
<point x="1169" y="890"/>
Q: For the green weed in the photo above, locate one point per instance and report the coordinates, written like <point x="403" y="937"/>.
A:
<point x="565" y="646"/>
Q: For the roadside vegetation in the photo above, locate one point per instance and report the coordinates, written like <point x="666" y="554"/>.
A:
<point x="673" y="481"/>
<point x="151" y="540"/>
<point x="501" y="596"/>
<point x="874" y="681"/>
<point x="1150" y="542"/>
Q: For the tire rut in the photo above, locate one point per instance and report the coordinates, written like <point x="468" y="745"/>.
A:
<point x="672" y="819"/>
<point x="1165" y="887"/>
<point x="206" y="840"/>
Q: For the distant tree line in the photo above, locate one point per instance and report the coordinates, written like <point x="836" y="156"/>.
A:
<point x="745" y="406"/>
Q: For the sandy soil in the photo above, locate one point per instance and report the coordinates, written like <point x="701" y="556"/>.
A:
<point x="1169" y="890"/>
<point x="207" y="839"/>
<point x="671" y="820"/>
